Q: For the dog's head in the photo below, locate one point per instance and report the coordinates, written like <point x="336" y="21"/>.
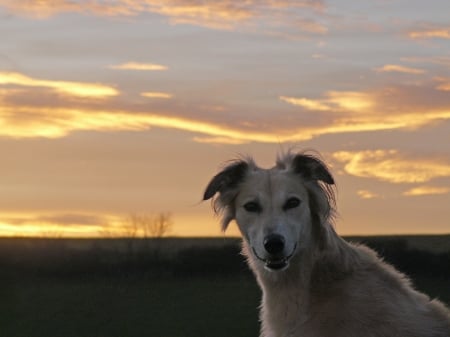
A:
<point x="279" y="211"/>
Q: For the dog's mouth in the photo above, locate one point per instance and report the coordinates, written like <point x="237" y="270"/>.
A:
<point x="276" y="263"/>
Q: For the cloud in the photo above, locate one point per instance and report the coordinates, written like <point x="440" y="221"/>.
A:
<point x="56" y="122"/>
<point x="78" y="89"/>
<point x="399" y="69"/>
<point x="219" y="140"/>
<point x="308" y="104"/>
<point x="428" y="31"/>
<point x="393" y="108"/>
<point x="444" y="83"/>
<point x="335" y="101"/>
<point x="426" y="190"/>
<point x="310" y="26"/>
<point x="30" y="108"/>
<point x="366" y="194"/>
<point x="56" y="224"/>
<point x="392" y="166"/>
<point x="220" y="14"/>
<point x="139" y="66"/>
<point x="439" y="60"/>
<point x="152" y="94"/>
<point x="25" y="113"/>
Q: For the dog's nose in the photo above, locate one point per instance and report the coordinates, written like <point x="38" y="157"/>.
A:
<point x="274" y="244"/>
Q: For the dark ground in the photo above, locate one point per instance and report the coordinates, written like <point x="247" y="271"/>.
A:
<point x="124" y="288"/>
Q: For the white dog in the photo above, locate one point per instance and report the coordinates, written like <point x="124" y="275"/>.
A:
<point x="314" y="283"/>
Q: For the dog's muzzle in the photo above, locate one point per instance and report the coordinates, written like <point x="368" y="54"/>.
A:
<point x="275" y="263"/>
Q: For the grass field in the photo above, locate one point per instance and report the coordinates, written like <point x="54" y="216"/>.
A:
<point x="130" y="308"/>
<point x="55" y="291"/>
<point x="96" y="307"/>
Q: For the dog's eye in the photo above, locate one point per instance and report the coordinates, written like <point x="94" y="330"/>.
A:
<point x="291" y="203"/>
<point x="252" y="207"/>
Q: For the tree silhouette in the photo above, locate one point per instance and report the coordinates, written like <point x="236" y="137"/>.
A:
<point x="159" y="226"/>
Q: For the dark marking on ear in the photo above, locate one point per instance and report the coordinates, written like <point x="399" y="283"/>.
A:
<point x="230" y="177"/>
<point x="311" y="168"/>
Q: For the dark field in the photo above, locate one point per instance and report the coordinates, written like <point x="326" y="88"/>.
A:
<point x="162" y="288"/>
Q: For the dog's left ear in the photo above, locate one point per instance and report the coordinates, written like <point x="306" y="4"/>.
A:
<point x="311" y="168"/>
<point x="226" y="184"/>
<point x="226" y="180"/>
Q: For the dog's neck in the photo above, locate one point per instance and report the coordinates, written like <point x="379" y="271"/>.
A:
<point x="287" y="295"/>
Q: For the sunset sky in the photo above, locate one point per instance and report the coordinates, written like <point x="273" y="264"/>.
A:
<point x="112" y="108"/>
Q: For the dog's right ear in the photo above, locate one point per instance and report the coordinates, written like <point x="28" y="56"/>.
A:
<point x="226" y="184"/>
<point x="227" y="179"/>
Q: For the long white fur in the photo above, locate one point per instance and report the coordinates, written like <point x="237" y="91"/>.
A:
<point x="331" y="288"/>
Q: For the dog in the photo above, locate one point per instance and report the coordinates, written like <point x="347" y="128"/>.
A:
<point x="315" y="284"/>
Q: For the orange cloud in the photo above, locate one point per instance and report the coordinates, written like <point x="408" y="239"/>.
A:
<point x="151" y="94"/>
<point x="352" y="111"/>
<point x="444" y="83"/>
<point x="351" y="100"/>
<point x="21" y="121"/>
<point x="444" y="86"/>
<point x="339" y="112"/>
<point x="392" y="166"/>
<point x="365" y="194"/>
<point x="139" y="66"/>
<point x="58" y="122"/>
<point x="426" y="190"/>
<point x="431" y="33"/>
<point x="82" y="225"/>
<point x="79" y="89"/>
<point x="400" y="69"/>
<point x="310" y="26"/>
<point x="219" y="140"/>
<point x="309" y="104"/>
<point x="220" y="14"/>
<point x="335" y="101"/>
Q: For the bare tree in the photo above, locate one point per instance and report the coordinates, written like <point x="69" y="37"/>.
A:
<point x="159" y="225"/>
<point x="149" y="226"/>
<point x="131" y="226"/>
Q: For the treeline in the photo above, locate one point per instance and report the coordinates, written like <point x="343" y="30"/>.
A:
<point x="123" y="258"/>
<point x="411" y="261"/>
<point x="151" y="259"/>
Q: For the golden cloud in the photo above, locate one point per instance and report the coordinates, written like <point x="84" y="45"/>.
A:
<point x="399" y="69"/>
<point x="32" y="224"/>
<point x="444" y="83"/>
<point x="219" y="140"/>
<point x="151" y="94"/>
<point x="310" y="26"/>
<point x="58" y="122"/>
<point x="366" y="194"/>
<point x="221" y="14"/>
<point x="309" y="104"/>
<point x="335" y="101"/>
<point x="392" y="166"/>
<point x="139" y="66"/>
<point x="352" y="111"/>
<point x="79" y="89"/>
<point x="431" y="33"/>
<point x="21" y="121"/>
<point x="351" y="100"/>
<point x="444" y="86"/>
<point x="342" y="112"/>
<point x="426" y="190"/>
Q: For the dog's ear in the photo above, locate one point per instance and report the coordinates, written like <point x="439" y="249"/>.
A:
<point x="311" y="168"/>
<point x="227" y="179"/>
<point x="226" y="184"/>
